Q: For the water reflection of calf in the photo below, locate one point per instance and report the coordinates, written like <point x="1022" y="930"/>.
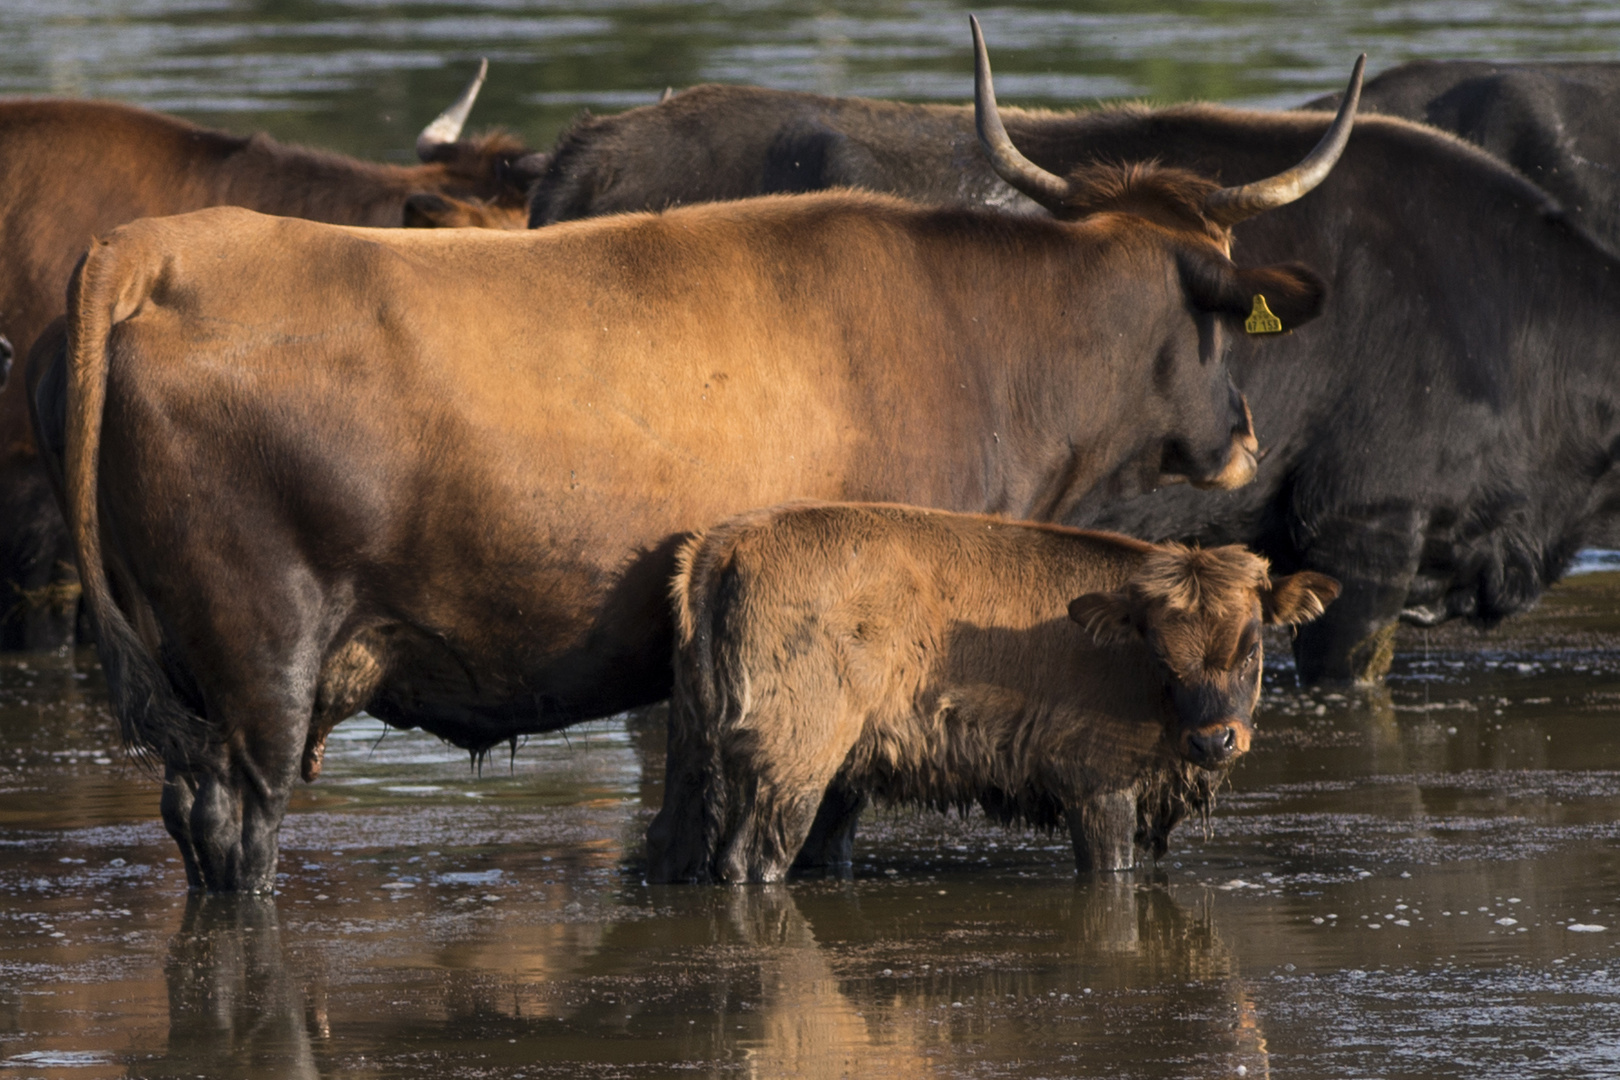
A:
<point x="808" y="1023"/>
<point x="1144" y="955"/>
<point x="234" y="1010"/>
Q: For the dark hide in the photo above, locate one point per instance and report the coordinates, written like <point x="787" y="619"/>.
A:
<point x="1557" y="123"/>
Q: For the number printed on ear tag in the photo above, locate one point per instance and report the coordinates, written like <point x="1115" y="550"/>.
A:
<point x="1261" y="320"/>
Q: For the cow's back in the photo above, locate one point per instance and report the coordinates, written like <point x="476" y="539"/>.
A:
<point x="1553" y="122"/>
<point x="733" y="142"/>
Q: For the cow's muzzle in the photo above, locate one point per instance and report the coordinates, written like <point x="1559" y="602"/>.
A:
<point x="1217" y="744"/>
<point x="6" y="353"/>
<point x="1242" y="460"/>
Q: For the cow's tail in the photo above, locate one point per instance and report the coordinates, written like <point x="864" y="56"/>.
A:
<point x="155" y="723"/>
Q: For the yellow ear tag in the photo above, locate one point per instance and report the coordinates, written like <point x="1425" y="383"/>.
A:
<point x="1261" y="320"/>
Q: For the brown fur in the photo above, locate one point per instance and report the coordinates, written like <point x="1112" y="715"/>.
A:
<point x="924" y="657"/>
<point x="1173" y="197"/>
<point x="484" y="447"/>
<point x="72" y="170"/>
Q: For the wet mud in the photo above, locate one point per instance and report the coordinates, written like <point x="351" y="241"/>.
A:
<point x="1423" y="881"/>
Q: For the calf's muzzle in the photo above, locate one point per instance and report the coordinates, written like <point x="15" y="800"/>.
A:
<point x="1213" y="745"/>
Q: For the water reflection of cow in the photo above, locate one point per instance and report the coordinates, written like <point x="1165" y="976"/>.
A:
<point x="234" y="1007"/>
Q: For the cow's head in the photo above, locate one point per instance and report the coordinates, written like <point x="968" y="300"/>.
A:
<point x="1200" y="610"/>
<point x="1209" y="433"/>
<point x="492" y="172"/>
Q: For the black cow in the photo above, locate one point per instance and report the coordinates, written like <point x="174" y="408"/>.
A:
<point x="1555" y="123"/>
<point x="1442" y="441"/>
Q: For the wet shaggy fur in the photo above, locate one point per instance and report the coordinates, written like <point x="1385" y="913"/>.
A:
<point x="927" y="658"/>
<point x="1176" y="197"/>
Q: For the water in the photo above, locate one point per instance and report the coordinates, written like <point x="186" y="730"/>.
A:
<point x="1424" y="883"/>
<point x="364" y="75"/>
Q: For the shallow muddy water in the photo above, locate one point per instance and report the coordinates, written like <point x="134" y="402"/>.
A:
<point x="1419" y="884"/>
<point x="1424" y="883"/>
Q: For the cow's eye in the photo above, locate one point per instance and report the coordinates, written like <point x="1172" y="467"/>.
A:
<point x="1254" y="652"/>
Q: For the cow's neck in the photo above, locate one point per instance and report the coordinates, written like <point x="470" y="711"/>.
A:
<point x="292" y="181"/>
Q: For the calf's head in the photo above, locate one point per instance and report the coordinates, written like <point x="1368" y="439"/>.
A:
<point x="1210" y="438"/>
<point x="1199" y="610"/>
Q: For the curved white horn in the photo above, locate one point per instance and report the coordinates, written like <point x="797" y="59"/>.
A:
<point x="446" y="127"/>
<point x="1044" y="187"/>
<point x="1231" y="205"/>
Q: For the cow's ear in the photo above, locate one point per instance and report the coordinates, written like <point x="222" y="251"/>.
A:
<point x="1106" y="616"/>
<point x="1292" y="293"/>
<point x="1298" y="598"/>
<point x="425" y="210"/>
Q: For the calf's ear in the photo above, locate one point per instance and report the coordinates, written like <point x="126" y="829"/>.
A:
<point x="1298" y="598"/>
<point x="1106" y="616"/>
<point x="1292" y="292"/>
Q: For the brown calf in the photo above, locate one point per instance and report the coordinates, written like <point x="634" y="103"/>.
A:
<point x="926" y="657"/>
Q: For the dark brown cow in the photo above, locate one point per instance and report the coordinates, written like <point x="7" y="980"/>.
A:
<point x="925" y="657"/>
<point x="441" y="475"/>
<point x="70" y="170"/>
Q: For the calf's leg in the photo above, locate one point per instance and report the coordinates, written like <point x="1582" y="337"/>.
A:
<point x="682" y="838"/>
<point x="1102" y="826"/>
<point x="831" y="843"/>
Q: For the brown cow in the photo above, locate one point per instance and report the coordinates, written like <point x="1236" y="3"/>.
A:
<point x="924" y="657"/>
<point x="70" y="170"/>
<point x="441" y="475"/>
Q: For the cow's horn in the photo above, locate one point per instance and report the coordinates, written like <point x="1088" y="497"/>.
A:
<point x="446" y="128"/>
<point x="1228" y="206"/>
<point x="1046" y="188"/>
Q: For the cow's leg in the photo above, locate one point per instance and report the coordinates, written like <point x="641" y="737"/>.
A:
<point x="178" y="796"/>
<point x="241" y="786"/>
<point x="831" y="843"/>
<point x="1102" y="826"/>
<point x="1374" y="557"/>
